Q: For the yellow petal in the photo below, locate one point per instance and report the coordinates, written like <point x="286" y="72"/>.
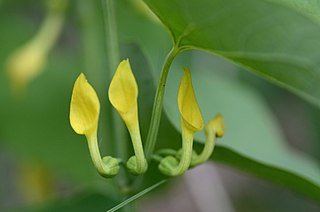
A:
<point x="26" y="64"/>
<point x="84" y="107"/>
<point x="188" y="105"/>
<point x="123" y="90"/>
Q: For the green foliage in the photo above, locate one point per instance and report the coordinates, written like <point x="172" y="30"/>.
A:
<point x="246" y="133"/>
<point x="27" y="121"/>
<point x="267" y="38"/>
<point x="251" y="129"/>
<point x="273" y="174"/>
<point x="277" y="40"/>
<point x="81" y="202"/>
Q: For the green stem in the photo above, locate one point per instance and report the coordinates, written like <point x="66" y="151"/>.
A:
<point x="119" y="132"/>
<point x="207" y="150"/>
<point x="170" y="165"/>
<point x="156" y="157"/>
<point x="108" y="166"/>
<point x="137" y="164"/>
<point x="166" y="152"/>
<point x="187" y="143"/>
<point x="111" y="34"/>
<point x="95" y="153"/>
<point x="158" y="103"/>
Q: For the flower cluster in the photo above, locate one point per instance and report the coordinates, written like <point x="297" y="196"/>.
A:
<point x="123" y="95"/>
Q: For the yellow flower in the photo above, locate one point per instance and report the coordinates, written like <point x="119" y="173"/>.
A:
<point x="191" y="122"/>
<point x="27" y="62"/>
<point x="123" y="95"/>
<point x="84" y="108"/>
<point x="84" y="116"/>
<point x="188" y="105"/>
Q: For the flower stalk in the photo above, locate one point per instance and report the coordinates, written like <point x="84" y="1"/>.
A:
<point x="158" y="103"/>
<point x="107" y="166"/>
<point x="191" y="122"/>
<point x="213" y="129"/>
<point x="84" y="117"/>
<point x="123" y="95"/>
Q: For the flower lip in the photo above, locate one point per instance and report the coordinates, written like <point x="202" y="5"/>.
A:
<point x="84" y="107"/>
<point x="123" y="90"/>
<point x="188" y="105"/>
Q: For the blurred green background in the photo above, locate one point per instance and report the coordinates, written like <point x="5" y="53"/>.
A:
<point x="45" y="166"/>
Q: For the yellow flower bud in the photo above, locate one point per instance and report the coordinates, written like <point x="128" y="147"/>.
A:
<point x="84" y="108"/>
<point x="27" y="62"/>
<point x="25" y="65"/>
<point x="123" y="95"/>
<point x="216" y="126"/>
<point x="188" y="105"/>
<point x="84" y="116"/>
<point x="191" y="121"/>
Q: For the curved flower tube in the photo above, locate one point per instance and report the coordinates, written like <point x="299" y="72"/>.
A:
<point x="191" y="122"/>
<point x="84" y="116"/>
<point x="123" y="95"/>
<point x="213" y="129"/>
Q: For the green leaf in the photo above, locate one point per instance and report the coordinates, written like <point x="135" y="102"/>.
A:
<point x="251" y="129"/>
<point x="309" y="8"/>
<point x="256" y="138"/>
<point x="269" y="38"/>
<point x="35" y="126"/>
<point x="271" y="173"/>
